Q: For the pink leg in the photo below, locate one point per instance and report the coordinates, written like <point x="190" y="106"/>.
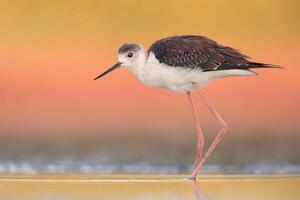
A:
<point x="200" y="138"/>
<point x="222" y="132"/>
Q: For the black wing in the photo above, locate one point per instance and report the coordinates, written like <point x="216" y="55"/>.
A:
<point x="198" y="52"/>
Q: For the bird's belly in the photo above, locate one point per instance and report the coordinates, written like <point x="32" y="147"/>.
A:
<point x="173" y="78"/>
<point x="180" y="79"/>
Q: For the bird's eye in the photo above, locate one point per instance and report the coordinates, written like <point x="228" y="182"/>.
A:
<point x="130" y="54"/>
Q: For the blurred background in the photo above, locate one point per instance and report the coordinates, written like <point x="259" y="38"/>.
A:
<point x="54" y="118"/>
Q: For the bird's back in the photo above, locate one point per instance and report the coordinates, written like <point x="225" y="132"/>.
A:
<point x="199" y="52"/>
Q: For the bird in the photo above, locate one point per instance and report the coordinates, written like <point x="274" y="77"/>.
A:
<point x="186" y="64"/>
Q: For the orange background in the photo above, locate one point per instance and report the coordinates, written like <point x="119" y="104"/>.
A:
<point x="51" y="51"/>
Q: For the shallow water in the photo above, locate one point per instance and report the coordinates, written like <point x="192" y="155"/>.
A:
<point x="125" y="187"/>
<point x="146" y="154"/>
<point x="80" y="167"/>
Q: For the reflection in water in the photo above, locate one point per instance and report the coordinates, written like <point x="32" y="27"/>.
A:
<point x="198" y="194"/>
<point x="51" y="187"/>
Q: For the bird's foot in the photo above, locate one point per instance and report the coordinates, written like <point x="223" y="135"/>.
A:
<point x="192" y="178"/>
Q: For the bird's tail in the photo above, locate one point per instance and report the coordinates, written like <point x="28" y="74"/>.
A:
<point x="262" y="65"/>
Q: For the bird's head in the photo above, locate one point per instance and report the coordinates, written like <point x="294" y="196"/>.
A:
<point x="131" y="56"/>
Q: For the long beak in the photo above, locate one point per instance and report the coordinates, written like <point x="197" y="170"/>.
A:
<point x="115" y="66"/>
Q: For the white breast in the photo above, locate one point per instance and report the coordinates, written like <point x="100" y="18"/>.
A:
<point x="180" y="79"/>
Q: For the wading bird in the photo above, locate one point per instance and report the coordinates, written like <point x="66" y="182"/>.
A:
<point x="186" y="64"/>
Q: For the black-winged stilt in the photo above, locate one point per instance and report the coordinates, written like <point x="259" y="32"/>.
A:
<point x="186" y="64"/>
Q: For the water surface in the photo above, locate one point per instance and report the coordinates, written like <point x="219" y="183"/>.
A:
<point x="127" y="187"/>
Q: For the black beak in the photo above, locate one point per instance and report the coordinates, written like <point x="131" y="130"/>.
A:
<point x="115" y="66"/>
